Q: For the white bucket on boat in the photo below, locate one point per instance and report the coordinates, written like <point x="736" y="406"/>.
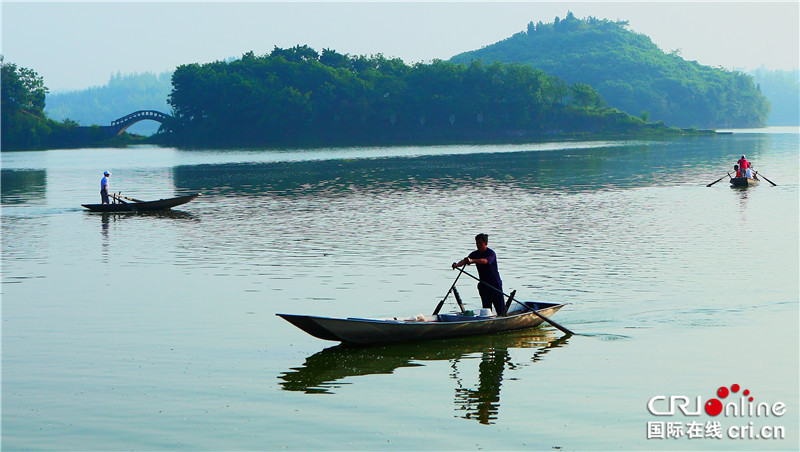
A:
<point x="485" y="312"/>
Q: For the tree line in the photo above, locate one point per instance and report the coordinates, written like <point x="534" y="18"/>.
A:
<point x="22" y="119"/>
<point x="26" y="126"/>
<point x="301" y="96"/>
<point x="298" y="96"/>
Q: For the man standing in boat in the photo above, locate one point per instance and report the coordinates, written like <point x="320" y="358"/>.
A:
<point x="744" y="165"/>
<point x="104" y="188"/>
<point x="490" y="286"/>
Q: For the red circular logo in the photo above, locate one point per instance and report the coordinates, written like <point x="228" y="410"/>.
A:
<point x="713" y="407"/>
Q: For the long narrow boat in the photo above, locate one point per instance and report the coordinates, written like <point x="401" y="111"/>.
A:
<point x="422" y="327"/>
<point x="141" y="206"/>
<point x="743" y="182"/>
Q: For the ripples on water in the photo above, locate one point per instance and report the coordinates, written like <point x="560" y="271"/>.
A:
<point x="571" y="222"/>
<point x="180" y="306"/>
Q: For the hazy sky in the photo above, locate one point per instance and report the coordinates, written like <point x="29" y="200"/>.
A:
<point x="74" y="45"/>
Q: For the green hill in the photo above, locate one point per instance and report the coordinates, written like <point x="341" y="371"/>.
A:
<point x="631" y="73"/>
<point x="298" y="96"/>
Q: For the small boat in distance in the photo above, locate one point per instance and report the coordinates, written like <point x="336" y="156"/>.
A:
<point x="422" y="327"/>
<point x="743" y="181"/>
<point x="136" y="205"/>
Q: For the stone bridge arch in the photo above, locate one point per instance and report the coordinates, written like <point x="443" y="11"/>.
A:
<point x="122" y="124"/>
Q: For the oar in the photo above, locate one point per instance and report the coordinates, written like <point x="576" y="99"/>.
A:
<point x="439" y="306"/>
<point x="551" y="322"/>
<point x="510" y="300"/>
<point x="131" y="199"/>
<point x="117" y="197"/>
<point x="765" y="177"/>
<point x="723" y="177"/>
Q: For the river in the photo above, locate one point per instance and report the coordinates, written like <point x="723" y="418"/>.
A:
<point x="158" y="332"/>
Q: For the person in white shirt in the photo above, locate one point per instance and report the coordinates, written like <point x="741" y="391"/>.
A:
<point x="104" y="188"/>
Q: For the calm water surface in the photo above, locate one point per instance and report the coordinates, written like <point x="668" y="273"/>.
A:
<point x="155" y="332"/>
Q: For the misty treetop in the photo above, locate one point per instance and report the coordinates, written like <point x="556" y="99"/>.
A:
<point x="300" y="95"/>
<point x="632" y="73"/>
<point x="22" y="88"/>
<point x="782" y="88"/>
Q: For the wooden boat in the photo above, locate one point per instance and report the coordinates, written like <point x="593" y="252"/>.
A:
<point x="421" y="327"/>
<point x="743" y="182"/>
<point x="135" y="205"/>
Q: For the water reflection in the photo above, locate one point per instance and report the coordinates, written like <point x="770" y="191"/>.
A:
<point x="326" y="371"/>
<point x="164" y="214"/>
<point x="108" y="218"/>
<point x="22" y="185"/>
<point x="483" y="403"/>
<point x="341" y="177"/>
<point x="741" y="193"/>
<point x="571" y="170"/>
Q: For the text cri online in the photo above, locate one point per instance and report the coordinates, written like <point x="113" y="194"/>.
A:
<point x="695" y="430"/>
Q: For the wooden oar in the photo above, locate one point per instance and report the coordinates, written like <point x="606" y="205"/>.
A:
<point x="131" y="199"/>
<point x="546" y="319"/>
<point x="439" y="306"/>
<point x="510" y="300"/>
<point x="765" y="177"/>
<point x="117" y="197"/>
<point x="458" y="300"/>
<point x="723" y="177"/>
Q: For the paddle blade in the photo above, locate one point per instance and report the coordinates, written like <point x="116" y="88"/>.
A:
<point x="510" y="300"/>
<point x="458" y="299"/>
<point x="439" y="306"/>
<point x="712" y="183"/>
<point x="765" y="178"/>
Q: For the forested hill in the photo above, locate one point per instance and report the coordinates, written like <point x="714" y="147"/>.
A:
<point x="631" y="73"/>
<point x="298" y="96"/>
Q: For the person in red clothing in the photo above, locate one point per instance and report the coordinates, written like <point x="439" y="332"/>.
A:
<point x="743" y="165"/>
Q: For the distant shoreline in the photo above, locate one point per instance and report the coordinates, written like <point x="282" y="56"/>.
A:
<point x="156" y="140"/>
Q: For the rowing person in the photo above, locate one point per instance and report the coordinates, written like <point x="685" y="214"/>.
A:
<point x="490" y="286"/>
<point x="744" y="165"/>
<point x="104" y="188"/>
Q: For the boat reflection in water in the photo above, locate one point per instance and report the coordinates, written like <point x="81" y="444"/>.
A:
<point x="107" y="219"/>
<point x="325" y="371"/>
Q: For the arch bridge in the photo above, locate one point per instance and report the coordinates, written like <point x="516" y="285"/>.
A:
<point x="122" y="124"/>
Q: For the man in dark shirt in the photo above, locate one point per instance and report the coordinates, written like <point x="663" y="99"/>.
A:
<point x="490" y="286"/>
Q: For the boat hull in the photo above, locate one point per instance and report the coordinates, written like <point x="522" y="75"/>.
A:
<point x="743" y="182"/>
<point x="378" y="331"/>
<point x="146" y="206"/>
